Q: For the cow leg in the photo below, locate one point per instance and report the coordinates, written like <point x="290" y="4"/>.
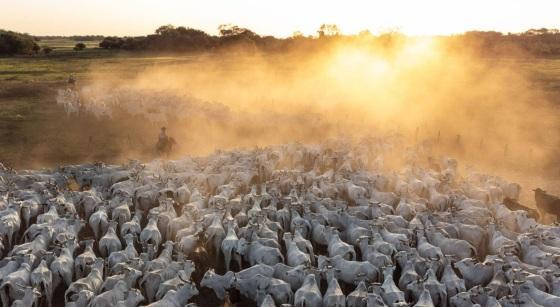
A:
<point x="218" y="250"/>
<point x="4" y="297"/>
<point x="49" y="294"/>
<point x="238" y="260"/>
<point x="67" y="276"/>
<point x="227" y="257"/>
<point x="12" y="237"/>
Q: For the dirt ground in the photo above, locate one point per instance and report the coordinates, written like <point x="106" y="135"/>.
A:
<point x="36" y="132"/>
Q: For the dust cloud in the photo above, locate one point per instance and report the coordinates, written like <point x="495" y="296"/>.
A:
<point x="483" y="110"/>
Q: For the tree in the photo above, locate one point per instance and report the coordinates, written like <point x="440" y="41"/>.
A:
<point x="47" y="49"/>
<point x="328" y="30"/>
<point x="165" y="30"/>
<point x="111" y="43"/>
<point x="365" y="33"/>
<point x="297" y="34"/>
<point x="233" y="30"/>
<point x="16" y="43"/>
<point x="36" y="48"/>
<point x="80" y="46"/>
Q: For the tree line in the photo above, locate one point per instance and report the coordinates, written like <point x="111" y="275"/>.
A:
<point x="537" y="42"/>
<point x="232" y="37"/>
<point x="168" y="38"/>
<point x="181" y="39"/>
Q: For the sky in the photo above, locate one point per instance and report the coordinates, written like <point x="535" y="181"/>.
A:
<point x="278" y="18"/>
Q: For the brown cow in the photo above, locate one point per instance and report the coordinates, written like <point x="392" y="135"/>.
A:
<point x="547" y="203"/>
<point x="513" y="205"/>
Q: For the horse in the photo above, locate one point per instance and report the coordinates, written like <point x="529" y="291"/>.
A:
<point x="165" y="145"/>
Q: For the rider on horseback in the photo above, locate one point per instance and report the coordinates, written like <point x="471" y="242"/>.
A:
<point x="165" y="143"/>
<point x="162" y="135"/>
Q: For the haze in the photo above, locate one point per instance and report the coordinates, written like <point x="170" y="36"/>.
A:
<point x="278" y="18"/>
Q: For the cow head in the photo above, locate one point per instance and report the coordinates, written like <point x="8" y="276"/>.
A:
<point x="461" y="299"/>
<point x="242" y="246"/>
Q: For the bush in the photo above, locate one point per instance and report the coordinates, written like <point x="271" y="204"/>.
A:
<point x="80" y="46"/>
<point x="16" y="43"/>
<point x="47" y="49"/>
<point x="111" y="43"/>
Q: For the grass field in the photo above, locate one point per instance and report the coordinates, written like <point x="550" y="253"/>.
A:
<point x="63" y="44"/>
<point x="63" y="61"/>
<point x="35" y="131"/>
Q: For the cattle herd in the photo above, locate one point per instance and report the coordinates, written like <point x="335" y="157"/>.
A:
<point x="301" y="225"/>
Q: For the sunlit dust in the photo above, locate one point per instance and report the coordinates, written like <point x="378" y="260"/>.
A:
<point x="353" y="90"/>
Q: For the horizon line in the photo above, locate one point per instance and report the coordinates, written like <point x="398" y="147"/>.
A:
<point x="374" y="33"/>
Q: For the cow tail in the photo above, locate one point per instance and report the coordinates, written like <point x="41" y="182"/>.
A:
<point x="134" y="200"/>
